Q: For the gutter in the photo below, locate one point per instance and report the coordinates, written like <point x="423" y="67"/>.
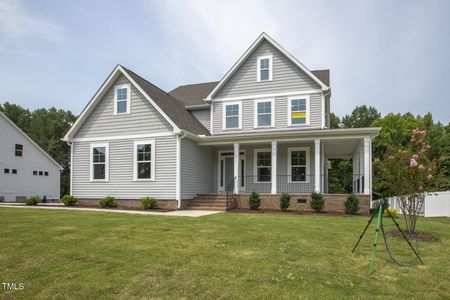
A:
<point x="180" y="136"/>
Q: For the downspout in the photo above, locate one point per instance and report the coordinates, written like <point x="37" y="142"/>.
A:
<point x="71" y="167"/>
<point x="178" y="169"/>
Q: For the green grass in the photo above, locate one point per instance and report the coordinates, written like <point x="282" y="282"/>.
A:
<point x="88" y="255"/>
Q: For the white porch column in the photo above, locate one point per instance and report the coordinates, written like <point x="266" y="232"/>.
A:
<point x="367" y="164"/>
<point x="317" y="165"/>
<point x="236" y="168"/>
<point x="274" y="168"/>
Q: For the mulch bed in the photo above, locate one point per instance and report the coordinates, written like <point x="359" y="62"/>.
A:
<point x="421" y="236"/>
<point x="291" y="212"/>
<point x="113" y="208"/>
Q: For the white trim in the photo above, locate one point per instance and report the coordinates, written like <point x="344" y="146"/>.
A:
<point x="247" y="54"/>
<point x="91" y="169"/>
<point x="236" y="159"/>
<point x="128" y="100"/>
<point x="224" y="112"/>
<point x="220" y="158"/>
<point x="307" y="166"/>
<point x="71" y="170"/>
<point x="255" y="167"/>
<point x="29" y="139"/>
<point x="289" y="104"/>
<point x="152" y="160"/>
<point x="211" y="119"/>
<point x="258" y="67"/>
<point x="273" y="173"/>
<point x="323" y="111"/>
<point x="272" y="113"/>
<point x="262" y="96"/>
<point x="123" y="137"/>
<point x="317" y="165"/>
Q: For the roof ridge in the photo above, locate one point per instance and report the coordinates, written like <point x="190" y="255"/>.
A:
<point x="157" y="87"/>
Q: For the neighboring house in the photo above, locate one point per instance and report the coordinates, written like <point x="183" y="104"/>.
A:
<point x="25" y="169"/>
<point x="264" y="127"/>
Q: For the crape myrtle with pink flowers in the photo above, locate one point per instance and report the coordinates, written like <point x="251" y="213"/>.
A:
<point x="407" y="173"/>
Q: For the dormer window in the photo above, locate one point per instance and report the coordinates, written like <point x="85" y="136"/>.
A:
<point x="122" y="99"/>
<point x="264" y="68"/>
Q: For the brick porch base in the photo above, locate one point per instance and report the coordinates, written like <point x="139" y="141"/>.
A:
<point x="130" y="203"/>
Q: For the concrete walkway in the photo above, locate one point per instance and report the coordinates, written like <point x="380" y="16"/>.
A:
<point x="58" y="206"/>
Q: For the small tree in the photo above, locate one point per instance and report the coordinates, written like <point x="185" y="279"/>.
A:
<point x="317" y="201"/>
<point x="285" y="200"/>
<point x="254" y="201"/>
<point x="351" y="205"/>
<point x="407" y="174"/>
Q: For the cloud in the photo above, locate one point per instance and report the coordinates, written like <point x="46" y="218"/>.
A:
<point x="15" y="21"/>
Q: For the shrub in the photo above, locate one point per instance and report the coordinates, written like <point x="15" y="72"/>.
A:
<point x="393" y="212"/>
<point x="285" y="200"/>
<point x="69" y="200"/>
<point x="351" y="205"/>
<point x="33" y="200"/>
<point x="108" y="201"/>
<point x="317" y="201"/>
<point x="254" y="201"/>
<point x="149" y="203"/>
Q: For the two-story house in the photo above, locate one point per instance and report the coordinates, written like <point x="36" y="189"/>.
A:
<point x="263" y="127"/>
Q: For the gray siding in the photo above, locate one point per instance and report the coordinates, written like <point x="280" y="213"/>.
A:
<point x="121" y="183"/>
<point x="287" y="76"/>
<point x="281" y="114"/>
<point x="24" y="183"/>
<point x="204" y="116"/>
<point x="143" y="118"/>
<point x="196" y="169"/>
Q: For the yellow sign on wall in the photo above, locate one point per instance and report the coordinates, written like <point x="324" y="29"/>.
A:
<point x="299" y="115"/>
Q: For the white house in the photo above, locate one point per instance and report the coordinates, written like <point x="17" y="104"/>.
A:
<point x="25" y="169"/>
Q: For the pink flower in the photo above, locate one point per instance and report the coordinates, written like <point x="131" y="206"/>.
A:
<point x="415" y="157"/>
<point x="429" y="177"/>
<point x="421" y="167"/>
<point x="413" y="163"/>
<point x="423" y="133"/>
<point x="429" y="170"/>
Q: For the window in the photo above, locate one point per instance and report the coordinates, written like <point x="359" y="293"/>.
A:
<point x="144" y="160"/>
<point x="232" y="116"/>
<point x="298" y="164"/>
<point x="298" y="111"/>
<point x="99" y="162"/>
<point x="14" y="171"/>
<point x="122" y="99"/>
<point x="263" y="113"/>
<point x="6" y="171"/>
<point x="41" y="173"/>
<point x="46" y="173"/>
<point x="263" y="164"/>
<point x="264" y="68"/>
<point x="19" y="150"/>
<point x="35" y="173"/>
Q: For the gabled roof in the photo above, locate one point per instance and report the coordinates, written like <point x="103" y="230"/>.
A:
<point x="193" y="94"/>
<point x="29" y="139"/>
<point x="170" y="108"/>
<point x="249" y="51"/>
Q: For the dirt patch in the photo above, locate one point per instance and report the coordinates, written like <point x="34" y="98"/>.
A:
<point x="421" y="236"/>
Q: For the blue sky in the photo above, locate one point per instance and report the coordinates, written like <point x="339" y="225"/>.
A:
<point x="394" y="55"/>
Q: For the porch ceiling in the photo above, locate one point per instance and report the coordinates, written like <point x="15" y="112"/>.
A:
<point x="342" y="148"/>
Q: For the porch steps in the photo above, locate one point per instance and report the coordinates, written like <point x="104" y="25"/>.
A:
<point x="208" y="202"/>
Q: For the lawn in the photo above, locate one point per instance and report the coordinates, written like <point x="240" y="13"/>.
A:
<point x="89" y="255"/>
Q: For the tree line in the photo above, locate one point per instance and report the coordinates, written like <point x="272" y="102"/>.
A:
<point x="48" y="126"/>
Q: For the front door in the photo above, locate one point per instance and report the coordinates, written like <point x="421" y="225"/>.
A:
<point x="229" y="173"/>
<point x="226" y="172"/>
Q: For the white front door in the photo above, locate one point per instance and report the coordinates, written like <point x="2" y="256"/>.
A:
<point x="226" y="172"/>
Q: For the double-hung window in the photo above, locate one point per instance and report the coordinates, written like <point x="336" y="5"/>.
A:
<point x="264" y="113"/>
<point x="298" y="111"/>
<point x="298" y="164"/>
<point x="99" y="162"/>
<point x="264" y="68"/>
<point x="232" y="115"/>
<point x="19" y="150"/>
<point x="122" y="99"/>
<point x="144" y="160"/>
<point x="263" y="165"/>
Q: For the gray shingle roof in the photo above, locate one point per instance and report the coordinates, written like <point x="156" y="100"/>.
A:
<point x="323" y="75"/>
<point x="173" y="108"/>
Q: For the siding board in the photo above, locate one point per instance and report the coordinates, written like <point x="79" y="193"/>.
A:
<point x="204" y="116"/>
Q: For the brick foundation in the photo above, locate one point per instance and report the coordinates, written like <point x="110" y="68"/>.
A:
<point x="301" y="202"/>
<point x="130" y="203"/>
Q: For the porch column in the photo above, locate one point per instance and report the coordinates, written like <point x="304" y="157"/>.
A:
<point x="317" y="165"/>
<point x="367" y="164"/>
<point x="236" y="168"/>
<point x="274" y="168"/>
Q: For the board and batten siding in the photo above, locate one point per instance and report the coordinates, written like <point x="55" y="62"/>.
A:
<point x="121" y="179"/>
<point x="143" y="117"/>
<point x="287" y="76"/>
<point x="281" y="114"/>
<point x="204" y="116"/>
<point x="196" y="169"/>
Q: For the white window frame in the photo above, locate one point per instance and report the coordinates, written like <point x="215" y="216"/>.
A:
<point x="255" y="167"/>
<point x="224" y="113"/>
<point x="152" y="161"/>
<point x="272" y="113"/>
<point x="91" y="162"/>
<point x="307" y="166"/>
<point x="121" y="86"/>
<point x="258" y="67"/>
<point x="307" y="98"/>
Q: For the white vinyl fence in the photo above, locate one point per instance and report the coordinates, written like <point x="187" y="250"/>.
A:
<point x="436" y="204"/>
